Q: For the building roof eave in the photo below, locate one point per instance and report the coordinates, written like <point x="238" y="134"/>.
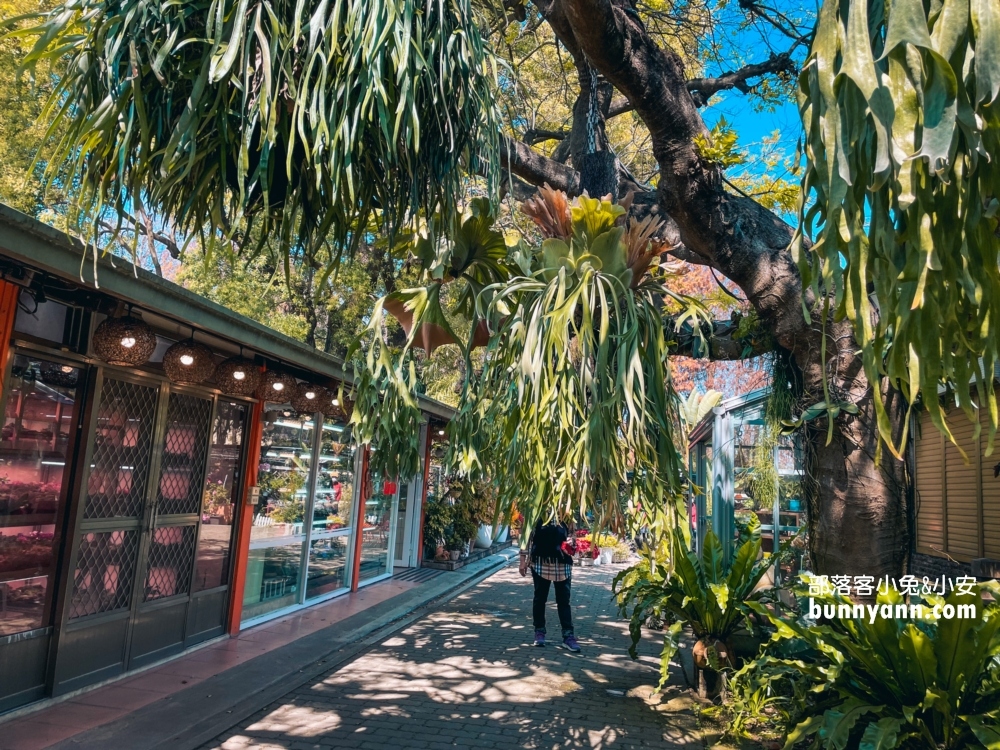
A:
<point x="42" y="248"/>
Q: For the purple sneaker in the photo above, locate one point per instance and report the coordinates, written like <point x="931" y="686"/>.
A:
<point x="570" y="642"/>
<point x="539" y="637"/>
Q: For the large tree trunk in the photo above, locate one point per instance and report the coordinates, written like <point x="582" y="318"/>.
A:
<point x="858" y="510"/>
<point x="858" y="518"/>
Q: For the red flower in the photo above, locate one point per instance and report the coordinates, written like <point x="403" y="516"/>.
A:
<point x="581" y="533"/>
<point x="569" y="547"/>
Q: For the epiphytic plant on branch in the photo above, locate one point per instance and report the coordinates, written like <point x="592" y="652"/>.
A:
<point x="902" y="192"/>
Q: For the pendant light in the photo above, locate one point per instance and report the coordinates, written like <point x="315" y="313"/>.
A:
<point x="126" y="341"/>
<point x="276" y="386"/>
<point x="237" y="376"/>
<point x="189" y="362"/>
<point x="308" y="398"/>
<point x="337" y="406"/>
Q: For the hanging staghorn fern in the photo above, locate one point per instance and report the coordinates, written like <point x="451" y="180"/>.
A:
<point x="900" y="105"/>
<point x="293" y="120"/>
<point x="573" y="408"/>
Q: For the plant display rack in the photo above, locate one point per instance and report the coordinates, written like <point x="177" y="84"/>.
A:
<point x="477" y="554"/>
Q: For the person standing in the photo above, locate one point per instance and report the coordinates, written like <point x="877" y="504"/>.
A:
<point x="550" y="567"/>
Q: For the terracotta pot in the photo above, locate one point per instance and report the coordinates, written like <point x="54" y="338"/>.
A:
<point x="701" y="650"/>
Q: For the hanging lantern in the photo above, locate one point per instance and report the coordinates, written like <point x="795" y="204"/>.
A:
<point x="337" y="407"/>
<point x="276" y="386"/>
<point x="237" y="376"/>
<point x="125" y="341"/>
<point x="308" y="398"/>
<point x="188" y="362"/>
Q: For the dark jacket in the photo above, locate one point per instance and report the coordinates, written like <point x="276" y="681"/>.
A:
<point x="546" y="543"/>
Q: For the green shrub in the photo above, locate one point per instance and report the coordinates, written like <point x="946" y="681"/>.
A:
<point x="889" y="683"/>
<point x="703" y="593"/>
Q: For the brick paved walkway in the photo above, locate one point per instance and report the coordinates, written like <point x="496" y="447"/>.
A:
<point x="467" y="676"/>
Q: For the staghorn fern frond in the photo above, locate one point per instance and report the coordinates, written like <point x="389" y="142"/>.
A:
<point x="573" y="406"/>
<point x="549" y="209"/>
<point x="697" y="405"/>
<point x="644" y="245"/>
<point x="294" y="120"/>
<point x="901" y="192"/>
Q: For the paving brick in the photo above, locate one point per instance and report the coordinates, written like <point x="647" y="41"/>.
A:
<point x="467" y="676"/>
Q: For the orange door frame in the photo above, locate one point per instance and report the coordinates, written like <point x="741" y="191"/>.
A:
<point x="423" y="496"/>
<point x="244" y="516"/>
<point x="359" y="519"/>
<point x="8" y="312"/>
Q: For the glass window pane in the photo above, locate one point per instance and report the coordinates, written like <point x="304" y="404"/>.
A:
<point x="375" y="533"/>
<point x="218" y="509"/>
<point x="335" y="481"/>
<point x="327" y="565"/>
<point x="283" y="476"/>
<point x="46" y="320"/>
<point x="272" y="579"/>
<point x="34" y="449"/>
<point x="277" y="535"/>
<point x="404" y="491"/>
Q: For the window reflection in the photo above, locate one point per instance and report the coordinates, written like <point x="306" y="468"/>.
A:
<point x="218" y="501"/>
<point x="34" y="448"/>
<point x="327" y="565"/>
<point x="335" y="481"/>
<point x="376" y="529"/>
<point x="278" y="534"/>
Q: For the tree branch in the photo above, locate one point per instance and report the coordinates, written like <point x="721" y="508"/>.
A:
<point x="704" y="88"/>
<point x="531" y="166"/>
<point x="736" y="235"/>
<point x="538" y="135"/>
<point x="718" y="344"/>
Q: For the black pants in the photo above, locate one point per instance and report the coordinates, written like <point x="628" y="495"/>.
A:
<point x="562" y="603"/>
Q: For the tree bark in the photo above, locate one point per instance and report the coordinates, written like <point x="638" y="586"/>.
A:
<point x="858" y="515"/>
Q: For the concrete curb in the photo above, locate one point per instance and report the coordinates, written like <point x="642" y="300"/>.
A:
<point x="192" y="717"/>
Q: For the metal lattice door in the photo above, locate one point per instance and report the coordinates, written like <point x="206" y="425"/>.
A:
<point x="130" y="577"/>
<point x="169" y="549"/>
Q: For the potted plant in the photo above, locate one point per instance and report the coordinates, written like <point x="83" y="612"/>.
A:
<point x="463" y="526"/>
<point x="454" y="544"/>
<point x="437" y="520"/>
<point x="713" y="598"/>
<point x="620" y="553"/>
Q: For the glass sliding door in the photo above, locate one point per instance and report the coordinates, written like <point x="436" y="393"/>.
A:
<point x="377" y="527"/>
<point x="277" y="540"/>
<point x="220" y="499"/>
<point x="332" y="513"/>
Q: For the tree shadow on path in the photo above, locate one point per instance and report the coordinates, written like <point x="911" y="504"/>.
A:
<point x="468" y="676"/>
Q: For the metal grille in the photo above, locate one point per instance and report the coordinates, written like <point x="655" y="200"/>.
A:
<point x="182" y="472"/>
<point x="123" y="440"/>
<point x="105" y="566"/>
<point x="171" y="554"/>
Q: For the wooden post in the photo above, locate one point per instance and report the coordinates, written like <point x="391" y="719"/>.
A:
<point x="243" y="517"/>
